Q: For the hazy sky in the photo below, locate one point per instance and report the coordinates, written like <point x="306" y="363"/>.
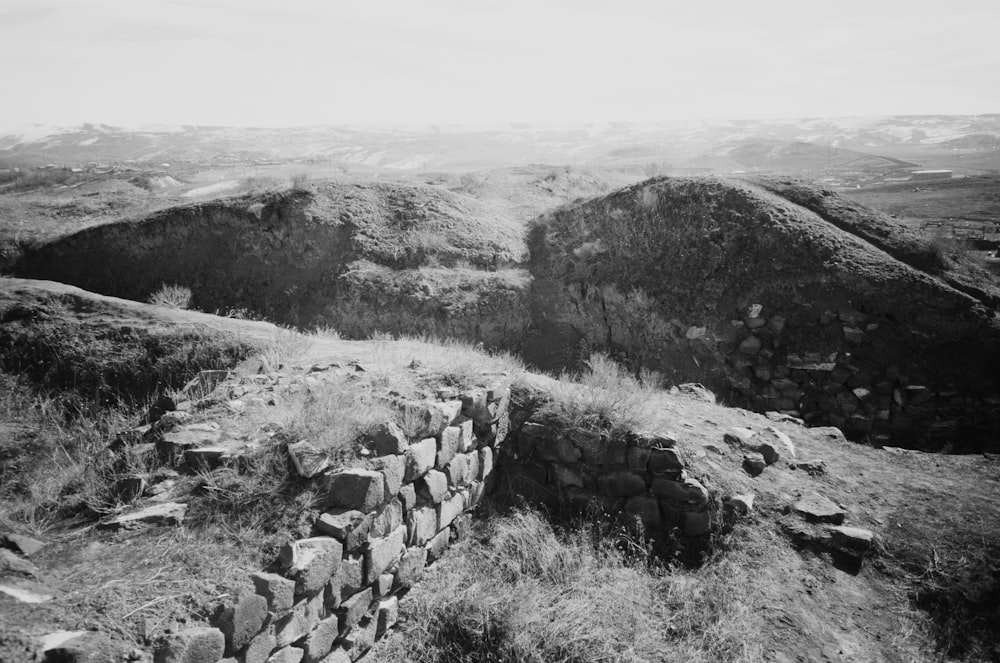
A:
<point x="295" y="62"/>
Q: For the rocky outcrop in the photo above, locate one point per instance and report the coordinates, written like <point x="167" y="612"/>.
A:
<point x="772" y="307"/>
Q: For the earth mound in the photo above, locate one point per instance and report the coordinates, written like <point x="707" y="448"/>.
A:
<point x="778" y="296"/>
<point x="375" y="250"/>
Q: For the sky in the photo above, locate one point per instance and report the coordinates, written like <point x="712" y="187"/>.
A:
<point x="411" y="62"/>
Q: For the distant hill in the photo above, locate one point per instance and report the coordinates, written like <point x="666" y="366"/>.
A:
<point x="469" y="148"/>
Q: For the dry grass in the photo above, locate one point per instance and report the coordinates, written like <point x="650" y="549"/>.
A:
<point x="605" y="397"/>
<point x="531" y="593"/>
<point x="171" y="296"/>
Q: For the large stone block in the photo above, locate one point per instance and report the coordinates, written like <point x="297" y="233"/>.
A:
<point x="314" y="562"/>
<point x="473" y="459"/>
<point x="363" y="490"/>
<point x="426" y="419"/>
<point x="408" y="496"/>
<point x="437" y="545"/>
<point x="450" y="509"/>
<point x="433" y="487"/>
<point x="558" y="450"/>
<point x="638" y="458"/>
<point x="320" y="640"/>
<point x="192" y="645"/>
<point x="485" y="463"/>
<point x="260" y="648"/>
<point x="354" y="609"/>
<point x="387" y="439"/>
<point x="382" y="553"/>
<point x="278" y="591"/>
<point x="421" y="525"/>
<point x="687" y="491"/>
<point x="286" y="655"/>
<point x="411" y="566"/>
<point x="392" y="469"/>
<point x="386" y="615"/>
<point x="388" y="519"/>
<point x="303" y="618"/>
<point x="448" y="446"/>
<point x="663" y="461"/>
<point x="458" y="471"/>
<point x="466" y="435"/>
<point x="349" y="526"/>
<point x="620" y="484"/>
<point x="242" y="620"/>
<point x="419" y="458"/>
<point x="348" y="580"/>
<point x="644" y="508"/>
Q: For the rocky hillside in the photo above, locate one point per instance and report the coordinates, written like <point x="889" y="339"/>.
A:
<point x="778" y="296"/>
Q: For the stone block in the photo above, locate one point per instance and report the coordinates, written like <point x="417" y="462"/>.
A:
<point x="450" y="509"/>
<point x="568" y="475"/>
<point x="433" y="487"/>
<point x="448" y="446"/>
<point x="340" y="523"/>
<point x="348" y="580"/>
<point x="638" y="458"/>
<point x="300" y="620"/>
<point x="278" y="591"/>
<point x="646" y="509"/>
<point x="473" y="460"/>
<point x="192" y="645"/>
<point x="386" y="615"/>
<point x="423" y="419"/>
<point x="408" y="496"/>
<point x="353" y="609"/>
<point x="473" y="399"/>
<point x="697" y="523"/>
<point x="314" y="562"/>
<point x="363" y="490"/>
<point x="475" y="494"/>
<point x="419" y="458"/>
<point x="620" y="484"/>
<point x="466" y="435"/>
<point x="392" y="469"/>
<point x="387" y="439"/>
<point x="286" y="655"/>
<point x="530" y="436"/>
<point x="260" y="648"/>
<point x="359" y="640"/>
<point x="421" y="525"/>
<point x="457" y="471"/>
<point x="382" y="553"/>
<point x="308" y="460"/>
<point x="485" y="463"/>
<point x="686" y="491"/>
<point x="411" y="567"/>
<point x="386" y="520"/>
<point x="664" y="461"/>
<point x="558" y="450"/>
<point x="242" y="620"/>
<point x="437" y="545"/>
<point x="320" y="640"/>
<point x="338" y="655"/>
<point x="383" y="585"/>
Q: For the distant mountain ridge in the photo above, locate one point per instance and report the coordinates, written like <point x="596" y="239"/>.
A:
<point x="440" y="147"/>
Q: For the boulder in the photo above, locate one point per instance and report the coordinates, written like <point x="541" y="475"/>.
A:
<point x="242" y="620"/>
<point x="363" y="490"/>
<point x="419" y="458"/>
<point x="278" y="591"/>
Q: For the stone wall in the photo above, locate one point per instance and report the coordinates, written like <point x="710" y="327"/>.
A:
<point x="330" y="596"/>
<point x="627" y="475"/>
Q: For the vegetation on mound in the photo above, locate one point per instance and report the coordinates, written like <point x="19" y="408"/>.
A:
<point x="526" y="590"/>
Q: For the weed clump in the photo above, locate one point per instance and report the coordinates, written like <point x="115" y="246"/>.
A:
<point x="171" y="296"/>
